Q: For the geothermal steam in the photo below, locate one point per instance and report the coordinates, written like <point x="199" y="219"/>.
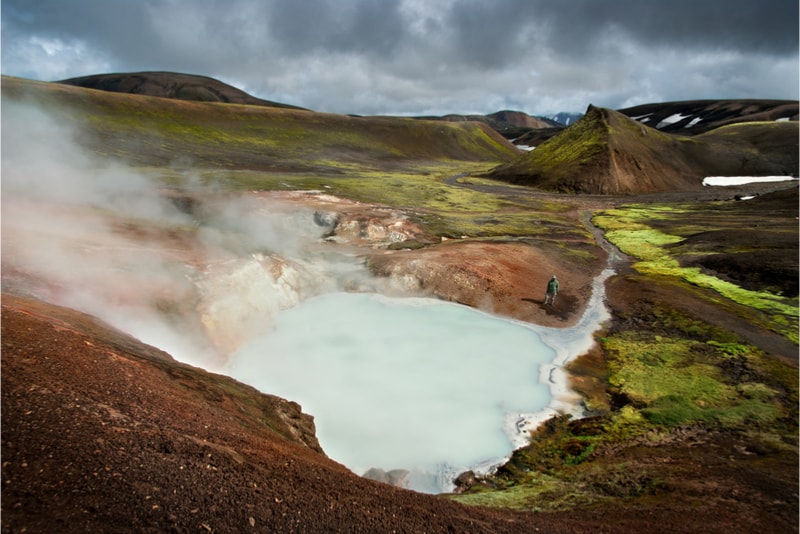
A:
<point x="105" y="239"/>
<point x="242" y="284"/>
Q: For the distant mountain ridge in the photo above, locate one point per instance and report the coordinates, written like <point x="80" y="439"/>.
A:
<point x="690" y="117"/>
<point x="697" y="116"/>
<point x="649" y="148"/>
<point x="565" y="118"/>
<point x="511" y="124"/>
<point x="175" y="85"/>
<point x="607" y="152"/>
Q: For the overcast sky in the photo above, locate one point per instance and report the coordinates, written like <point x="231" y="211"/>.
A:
<point x="423" y="56"/>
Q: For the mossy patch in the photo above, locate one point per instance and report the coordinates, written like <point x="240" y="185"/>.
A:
<point x="542" y="492"/>
<point x="639" y="231"/>
<point x="678" y="381"/>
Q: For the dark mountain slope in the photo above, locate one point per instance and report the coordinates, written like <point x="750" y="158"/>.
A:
<point x="606" y="152"/>
<point x="171" y="85"/>
<point x="697" y="116"/>
<point x="749" y="149"/>
<point x="536" y="136"/>
<point x="753" y="257"/>
<point x="518" y="118"/>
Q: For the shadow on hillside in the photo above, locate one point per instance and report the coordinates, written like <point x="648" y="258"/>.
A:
<point x="563" y="307"/>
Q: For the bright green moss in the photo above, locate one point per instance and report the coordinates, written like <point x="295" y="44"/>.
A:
<point x="633" y="231"/>
<point x="540" y="492"/>
<point x="677" y="382"/>
<point x="732" y="349"/>
<point x="577" y="144"/>
<point x="626" y="423"/>
<point x="757" y="392"/>
<point x="645" y="370"/>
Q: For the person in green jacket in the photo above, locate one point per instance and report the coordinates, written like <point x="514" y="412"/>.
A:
<point x="552" y="291"/>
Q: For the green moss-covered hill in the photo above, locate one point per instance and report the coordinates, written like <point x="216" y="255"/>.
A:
<point x="607" y="152"/>
<point x="155" y="131"/>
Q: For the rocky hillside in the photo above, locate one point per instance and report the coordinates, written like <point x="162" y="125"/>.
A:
<point x="536" y="136"/>
<point x="171" y="85"/>
<point x="606" y="152"/>
<point x="205" y="89"/>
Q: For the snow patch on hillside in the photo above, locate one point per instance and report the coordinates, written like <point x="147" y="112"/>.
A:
<point x="693" y="122"/>
<point x="741" y="180"/>
<point x="672" y="119"/>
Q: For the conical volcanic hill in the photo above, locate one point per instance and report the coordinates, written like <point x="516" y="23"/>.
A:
<point x="607" y="152"/>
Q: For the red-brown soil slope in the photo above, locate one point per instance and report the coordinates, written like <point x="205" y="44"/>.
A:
<point x="104" y="434"/>
<point x="519" y="118"/>
<point x="504" y="278"/>
<point x="510" y="124"/>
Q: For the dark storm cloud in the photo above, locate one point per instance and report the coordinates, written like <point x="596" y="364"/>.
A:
<point x="419" y="56"/>
<point x="490" y="31"/>
<point x="367" y="26"/>
<point x="767" y="26"/>
<point x="107" y="25"/>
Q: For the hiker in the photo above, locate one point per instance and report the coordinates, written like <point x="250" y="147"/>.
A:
<point x="552" y="291"/>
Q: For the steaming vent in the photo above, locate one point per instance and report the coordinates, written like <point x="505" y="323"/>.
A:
<point x="271" y="288"/>
<point x="239" y="298"/>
